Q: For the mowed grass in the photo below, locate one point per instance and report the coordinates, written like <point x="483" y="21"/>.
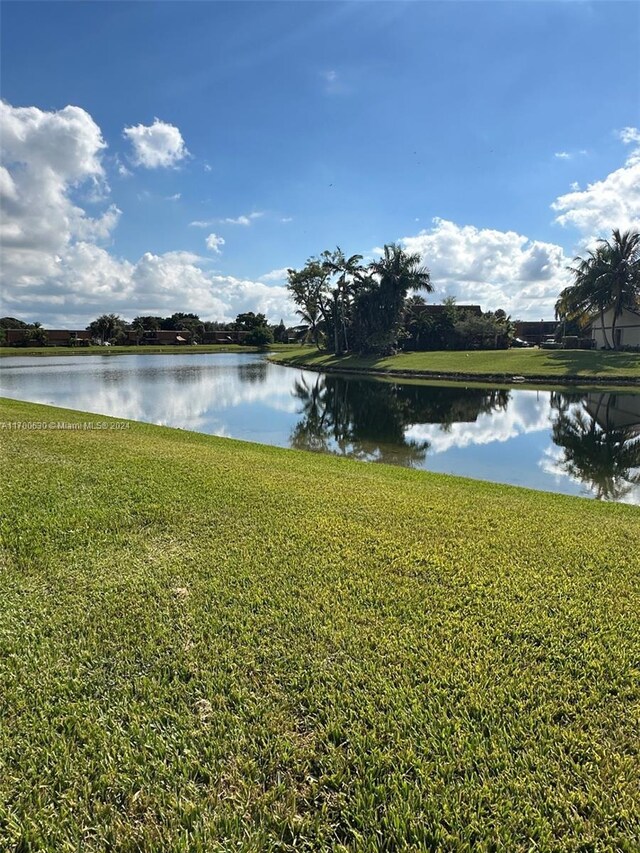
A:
<point x="531" y="363"/>
<point x="207" y="645"/>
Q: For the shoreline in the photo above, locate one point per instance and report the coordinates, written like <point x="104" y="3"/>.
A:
<point x="202" y="349"/>
<point x="500" y="378"/>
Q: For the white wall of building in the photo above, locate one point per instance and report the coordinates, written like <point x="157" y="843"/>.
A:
<point x="627" y="330"/>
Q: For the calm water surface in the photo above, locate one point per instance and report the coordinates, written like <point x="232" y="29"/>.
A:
<point x="578" y="443"/>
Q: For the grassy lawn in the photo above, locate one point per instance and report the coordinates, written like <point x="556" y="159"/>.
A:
<point x="134" y="350"/>
<point x="207" y="645"/>
<point x="531" y="363"/>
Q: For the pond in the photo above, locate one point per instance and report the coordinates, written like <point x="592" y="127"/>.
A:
<point x="573" y="442"/>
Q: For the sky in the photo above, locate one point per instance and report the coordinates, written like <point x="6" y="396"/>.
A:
<point x="180" y="156"/>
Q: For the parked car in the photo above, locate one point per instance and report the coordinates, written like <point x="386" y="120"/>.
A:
<point x="520" y="343"/>
<point x="551" y="343"/>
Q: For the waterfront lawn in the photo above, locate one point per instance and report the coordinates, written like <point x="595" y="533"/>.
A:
<point x="536" y="363"/>
<point x="208" y="645"/>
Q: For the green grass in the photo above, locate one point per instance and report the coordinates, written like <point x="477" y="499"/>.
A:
<point x="5" y="352"/>
<point x="530" y="363"/>
<point x="207" y="645"/>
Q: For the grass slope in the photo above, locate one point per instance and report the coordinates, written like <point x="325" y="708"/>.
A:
<point x="207" y="645"/>
<point x="531" y="363"/>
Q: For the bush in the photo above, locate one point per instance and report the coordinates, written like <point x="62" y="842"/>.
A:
<point x="261" y="336"/>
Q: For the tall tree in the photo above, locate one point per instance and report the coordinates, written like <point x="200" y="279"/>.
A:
<point x="379" y="306"/>
<point x="249" y="321"/>
<point x="608" y="277"/>
<point x="106" y="326"/>
<point x="309" y="289"/>
<point x="348" y="274"/>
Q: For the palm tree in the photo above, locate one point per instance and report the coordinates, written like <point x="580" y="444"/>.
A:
<point x="349" y="272"/>
<point x="310" y="316"/>
<point x="622" y="273"/>
<point x="380" y="306"/>
<point x="609" y="277"/>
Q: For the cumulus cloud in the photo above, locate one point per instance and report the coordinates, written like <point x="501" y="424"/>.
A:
<point x="48" y="159"/>
<point x="159" y="145"/>
<point x="496" y="269"/>
<point x="213" y="242"/>
<point x="613" y="202"/>
<point x="87" y="280"/>
<point x="54" y="271"/>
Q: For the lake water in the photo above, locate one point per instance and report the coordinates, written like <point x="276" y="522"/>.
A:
<point x="578" y="443"/>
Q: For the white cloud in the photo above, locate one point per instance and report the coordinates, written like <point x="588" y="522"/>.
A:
<point x="569" y="155"/>
<point x="157" y="145"/>
<point x="48" y="157"/>
<point x="207" y="167"/>
<point x="630" y="135"/>
<point x="496" y="269"/>
<point x="87" y="280"/>
<point x="174" y="197"/>
<point x="121" y="168"/>
<point x="52" y="269"/>
<point x="214" y="242"/>
<point x="97" y="229"/>
<point x="275" y="275"/>
<point x="613" y="202"/>
<point x="7" y="186"/>
<point x="242" y="220"/>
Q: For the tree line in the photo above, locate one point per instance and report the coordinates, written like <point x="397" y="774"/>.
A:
<point x="113" y="329"/>
<point x="260" y="331"/>
<point x="375" y="308"/>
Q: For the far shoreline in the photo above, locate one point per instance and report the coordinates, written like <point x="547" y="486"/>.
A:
<point x="592" y="366"/>
<point x="438" y="376"/>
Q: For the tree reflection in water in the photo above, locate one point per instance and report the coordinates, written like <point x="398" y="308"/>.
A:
<point x="599" y="434"/>
<point x="368" y="419"/>
<point x="255" y="372"/>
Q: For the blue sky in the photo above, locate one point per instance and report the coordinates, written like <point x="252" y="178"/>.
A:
<point x="497" y="139"/>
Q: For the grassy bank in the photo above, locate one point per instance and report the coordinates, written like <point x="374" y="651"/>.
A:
<point x="210" y="646"/>
<point x="134" y="350"/>
<point x="533" y="364"/>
